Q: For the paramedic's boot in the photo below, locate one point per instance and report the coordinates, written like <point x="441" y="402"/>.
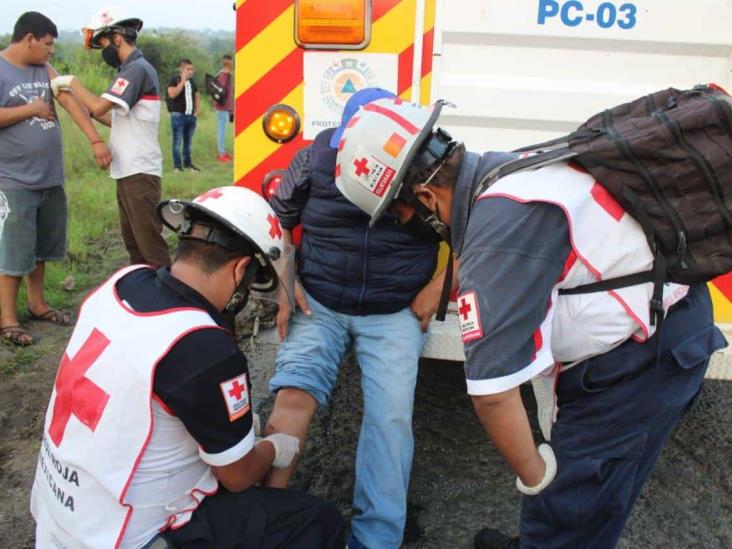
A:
<point x="488" y="538"/>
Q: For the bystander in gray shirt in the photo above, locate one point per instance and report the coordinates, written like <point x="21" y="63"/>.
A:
<point x="31" y="154"/>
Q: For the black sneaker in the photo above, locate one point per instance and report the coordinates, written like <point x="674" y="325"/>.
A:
<point x="192" y="168"/>
<point x="488" y="538"/>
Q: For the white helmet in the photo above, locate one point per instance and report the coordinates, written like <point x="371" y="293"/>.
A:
<point x="111" y="18"/>
<point x="248" y="217"/>
<point x="378" y="147"/>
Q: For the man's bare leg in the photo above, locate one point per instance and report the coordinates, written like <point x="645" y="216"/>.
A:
<point x="36" y="300"/>
<point x="9" y="286"/>
<point x="292" y="412"/>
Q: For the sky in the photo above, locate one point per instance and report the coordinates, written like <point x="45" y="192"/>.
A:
<point x="74" y="14"/>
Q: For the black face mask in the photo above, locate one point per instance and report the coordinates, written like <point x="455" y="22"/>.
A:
<point x="421" y="230"/>
<point x="110" y="54"/>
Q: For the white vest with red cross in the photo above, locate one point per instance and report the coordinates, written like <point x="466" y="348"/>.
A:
<point x="606" y="242"/>
<point x="99" y="421"/>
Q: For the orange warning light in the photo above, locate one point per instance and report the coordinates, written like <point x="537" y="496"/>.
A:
<point x="330" y="24"/>
<point x="281" y="123"/>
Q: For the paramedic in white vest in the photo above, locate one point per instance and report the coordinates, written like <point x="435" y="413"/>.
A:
<point x="606" y="404"/>
<point x="150" y="430"/>
<point x="131" y="107"/>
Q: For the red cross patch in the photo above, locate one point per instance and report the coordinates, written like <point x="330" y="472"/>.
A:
<point x="236" y="396"/>
<point x="75" y="394"/>
<point x="469" y="315"/>
<point x="371" y="173"/>
<point x="120" y="85"/>
<point x="361" y="166"/>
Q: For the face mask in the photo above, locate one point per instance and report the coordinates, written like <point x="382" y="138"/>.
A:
<point x="421" y="230"/>
<point x="110" y="54"/>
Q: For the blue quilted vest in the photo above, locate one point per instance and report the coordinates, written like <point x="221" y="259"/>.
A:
<point x="346" y="266"/>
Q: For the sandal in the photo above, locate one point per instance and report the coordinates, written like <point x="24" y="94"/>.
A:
<point x="17" y="335"/>
<point x="56" y="316"/>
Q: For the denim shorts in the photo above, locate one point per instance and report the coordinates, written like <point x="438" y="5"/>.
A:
<point x="32" y="228"/>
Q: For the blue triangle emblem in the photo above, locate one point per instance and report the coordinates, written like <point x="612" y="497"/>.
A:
<point x="348" y="87"/>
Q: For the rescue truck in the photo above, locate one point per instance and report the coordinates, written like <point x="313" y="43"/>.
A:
<point x="517" y="71"/>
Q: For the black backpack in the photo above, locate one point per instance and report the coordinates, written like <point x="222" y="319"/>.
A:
<point x="214" y="88"/>
<point x="667" y="159"/>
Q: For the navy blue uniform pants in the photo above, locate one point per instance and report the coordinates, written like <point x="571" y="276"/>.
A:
<point x="616" y="412"/>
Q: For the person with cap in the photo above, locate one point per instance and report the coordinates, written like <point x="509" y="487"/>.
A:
<point x="609" y="388"/>
<point x="360" y="287"/>
<point x="131" y="107"/>
<point x="150" y="427"/>
<point x="33" y="213"/>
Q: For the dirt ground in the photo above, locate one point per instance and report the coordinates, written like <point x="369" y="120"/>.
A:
<point x="459" y="483"/>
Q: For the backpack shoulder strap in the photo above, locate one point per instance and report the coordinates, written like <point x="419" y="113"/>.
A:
<point x="540" y="159"/>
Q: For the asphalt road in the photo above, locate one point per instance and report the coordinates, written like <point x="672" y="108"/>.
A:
<point x="460" y="484"/>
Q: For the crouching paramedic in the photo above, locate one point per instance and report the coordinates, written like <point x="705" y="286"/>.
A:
<point x="522" y="240"/>
<point x="150" y="426"/>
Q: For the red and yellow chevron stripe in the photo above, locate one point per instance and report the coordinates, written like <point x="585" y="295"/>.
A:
<point x="269" y="70"/>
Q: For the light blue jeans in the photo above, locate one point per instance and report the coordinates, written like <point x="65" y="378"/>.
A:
<point x="387" y="348"/>
<point x="222" y="119"/>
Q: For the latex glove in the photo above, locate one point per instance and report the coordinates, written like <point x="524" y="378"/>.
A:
<point x="61" y="83"/>
<point x="544" y="386"/>
<point x="547" y="454"/>
<point x="286" y="448"/>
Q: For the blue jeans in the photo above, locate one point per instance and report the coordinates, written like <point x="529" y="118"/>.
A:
<point x="387" y="348"/>
<point x="222" y="119"/>
<point x="182" y="126"/>
<point x="616" y="412"/>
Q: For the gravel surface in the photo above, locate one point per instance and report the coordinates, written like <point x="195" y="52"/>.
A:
<point x="460" y="484"/>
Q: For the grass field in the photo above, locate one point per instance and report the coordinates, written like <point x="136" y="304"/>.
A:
<point x="94" y="243"/>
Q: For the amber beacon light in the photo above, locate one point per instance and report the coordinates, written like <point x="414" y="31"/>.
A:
<point x="327" y="24"/>
<point x="281" y="123"/>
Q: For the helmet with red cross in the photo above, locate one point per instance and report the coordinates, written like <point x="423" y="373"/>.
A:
<point x="381" y="145"/>
<point x="237" y="218"/>
<point x="106" y="20"/>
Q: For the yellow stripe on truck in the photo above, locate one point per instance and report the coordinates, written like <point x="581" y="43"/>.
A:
<point x="265" y="50"/>
<point x="393" y="33"/>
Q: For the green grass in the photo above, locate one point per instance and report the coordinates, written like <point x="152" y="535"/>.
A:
<point x="93" y="235"/>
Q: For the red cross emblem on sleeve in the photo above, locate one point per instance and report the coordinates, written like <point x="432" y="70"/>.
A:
<point x="275" y="231"/>
<point x="361" y="168"/>
<point x="236" y="396"/>
<point x="213" y="193"/>
<point x="464" y="308"/>
<point x="75" y="394"/>
<point x="471" y="327"/>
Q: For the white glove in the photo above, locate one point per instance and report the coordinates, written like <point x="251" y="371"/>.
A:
<point x="256" y="423"/>
<point x="547" y="454"/>
<point x="286" y="448"/>
<point x="544" y="386"/>
<point x="61" y="83"/>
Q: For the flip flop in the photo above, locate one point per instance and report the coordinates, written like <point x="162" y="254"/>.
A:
<point x="56" y="316"/>
<point x="17" y="335"/>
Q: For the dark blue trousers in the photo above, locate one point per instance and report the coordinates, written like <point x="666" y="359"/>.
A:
<point x="182" y="127"/>
<point x="616" y="412"/>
